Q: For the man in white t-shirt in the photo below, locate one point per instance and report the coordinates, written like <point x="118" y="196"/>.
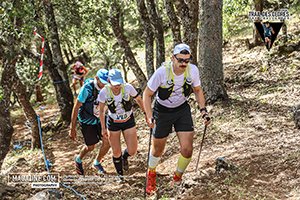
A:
<point x="174" y="81"/>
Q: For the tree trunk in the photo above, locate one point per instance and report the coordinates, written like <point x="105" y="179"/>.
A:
<point x="23" y="96"/>
<point x="70" y="52"/>
<point x="57" y="81"/>
<point x="6" y="128"/>
<point x="210" y="50"/>
<point x="148" y="35"/>
<point x="284" y="32"/>
<point x="64" y="93"/>
<point x="64" y="96"/>
<point x="67" y="56"/>
<point x="38" y="93"/>
<point x="11" y="57"/>
<point x="55" y="42"/>
<point x="258" y="6"/>
<point x="123" y="64"/>
<point x="20" y="89"/>
<point x="122" y="40"/>
<point x="174" y="22"/>
<point x="189" y="11"/>
<point x="158" y="29"/>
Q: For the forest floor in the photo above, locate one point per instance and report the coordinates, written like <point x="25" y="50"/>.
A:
<point x="254" y="131"/>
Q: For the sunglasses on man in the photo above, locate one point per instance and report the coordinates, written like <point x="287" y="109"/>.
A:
<point x="181" y="60"/>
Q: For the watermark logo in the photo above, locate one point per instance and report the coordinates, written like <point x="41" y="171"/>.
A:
<point x="281" y="15"/>
<point x="37" y="180"/>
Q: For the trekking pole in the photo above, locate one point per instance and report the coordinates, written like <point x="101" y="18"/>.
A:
<point x="205" y="127"/>
<point x="149" y="148"/>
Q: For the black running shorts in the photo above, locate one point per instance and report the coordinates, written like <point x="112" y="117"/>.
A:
<point x="179" y="117"/>
<point x="91" y="133"/>
<point x="113" y="126"/>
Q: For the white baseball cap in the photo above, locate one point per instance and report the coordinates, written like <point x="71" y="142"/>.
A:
<point x="180" y="47"/>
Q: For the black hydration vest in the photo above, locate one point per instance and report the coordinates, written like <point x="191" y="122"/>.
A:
<point x="126" y="100"/>
<point x="86" y="111"/>
<point x="165" y="92"/>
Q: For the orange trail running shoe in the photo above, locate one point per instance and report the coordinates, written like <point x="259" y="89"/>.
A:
<point x="151" y="182"/>
<point x="177" y="179"/>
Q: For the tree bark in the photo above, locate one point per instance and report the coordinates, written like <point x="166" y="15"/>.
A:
<point x="188" y="12"/>
<point x="6" y="128"/>
<point x="284" y="32"/>
<point x="174" y="22"/>
<point x="55" y="42"/>
<point x="16" y="85"/>
<point x="122" y="40"/>
<point x="60" y="76"/>
<point x="210" y="50"/>
<point x="258" y="6"/>
<point x="70" y="52"/>
<point x="63" y="91"/>
<point x="20" y="89"/>
<point x="158" y="29"/>
<point x="38" y="93"/>
<point x="123" y="64"/>
<point x="67" y="56"/>
<point x="149" y="37"/>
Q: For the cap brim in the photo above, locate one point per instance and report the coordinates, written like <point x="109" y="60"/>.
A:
<point x="103" y="81"/>
<point x="116" y="82"/>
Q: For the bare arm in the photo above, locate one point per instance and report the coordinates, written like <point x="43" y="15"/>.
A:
<point x="72" y="132"/>
<point x="139" y="101"/>
<point x="199" y="96"/>
<point x="147" y="96"/>
<point x="85" y="70"/>
<point x="201" y="102"/>
<point x="272" y="30"/>
<point x="102" y="119"/>
<point x="73" y="69"/>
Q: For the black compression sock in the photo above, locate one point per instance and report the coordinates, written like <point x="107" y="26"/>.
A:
<point x="125" y="154"/>
<point x="118" y="165"/>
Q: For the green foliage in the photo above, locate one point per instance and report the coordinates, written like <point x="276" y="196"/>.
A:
<point x="8" y="14"/>
<point x="85" y="25"/>
<point x="235" y="16"/>
<point x="26" y="68"/>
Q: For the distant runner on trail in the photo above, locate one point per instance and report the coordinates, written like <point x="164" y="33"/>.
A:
<point x="86" y="109"/>
<point x="117" y="97"/>
<point x="174" y="81"/>
<point x="268" y="33"/>
<point x="79" y="72"/>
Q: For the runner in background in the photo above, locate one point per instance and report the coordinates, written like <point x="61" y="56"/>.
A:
<point x="268" y="33"/>
<point x="79" y="72"/>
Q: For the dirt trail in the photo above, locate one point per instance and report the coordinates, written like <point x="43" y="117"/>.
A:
<point x="254" y="131"/>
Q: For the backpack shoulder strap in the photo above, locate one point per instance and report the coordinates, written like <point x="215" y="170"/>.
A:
<point x="94" y="89"/>
<point x="123" y="90"/>
<point x="187" y="72"/>
<point x="109" y="92"/>
<point x="169" y="72"/>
